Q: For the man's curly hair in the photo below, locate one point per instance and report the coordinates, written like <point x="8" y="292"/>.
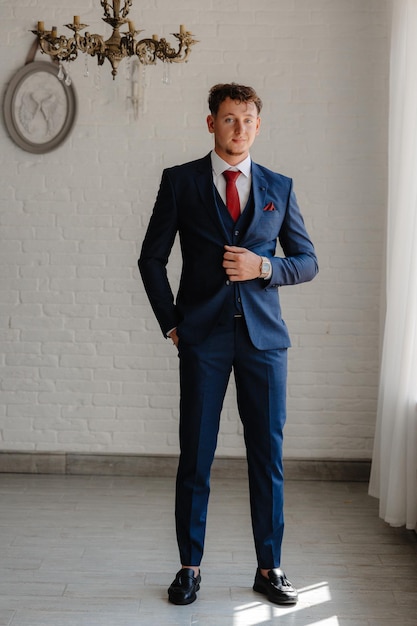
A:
<point x="238" y="93"/>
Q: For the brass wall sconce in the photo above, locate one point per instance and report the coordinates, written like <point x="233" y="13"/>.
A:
<point x="120" y="45"/>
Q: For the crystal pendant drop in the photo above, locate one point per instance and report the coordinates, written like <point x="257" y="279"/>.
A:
<point x="166" y="73"/>
<point x="68" y="80"/>
<point x="61" y="71"/>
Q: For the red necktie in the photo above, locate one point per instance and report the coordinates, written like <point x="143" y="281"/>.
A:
<point x="232" y="196"/>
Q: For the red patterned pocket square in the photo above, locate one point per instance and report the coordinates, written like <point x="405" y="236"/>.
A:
<point x="269" y="207"/>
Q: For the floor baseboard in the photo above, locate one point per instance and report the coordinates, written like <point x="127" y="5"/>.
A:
<point x="73" y="463"/>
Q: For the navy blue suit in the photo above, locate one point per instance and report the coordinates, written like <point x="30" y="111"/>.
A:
<point x="213" y="341"/>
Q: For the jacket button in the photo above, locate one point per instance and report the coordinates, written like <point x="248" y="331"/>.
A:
<point x="227" y="282"/>
<point x="236" y="233"/>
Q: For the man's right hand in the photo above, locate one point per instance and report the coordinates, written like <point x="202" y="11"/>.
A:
<point x="173" y="335"/>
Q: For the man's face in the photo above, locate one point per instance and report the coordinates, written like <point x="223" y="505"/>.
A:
<point x="234" y="127"/>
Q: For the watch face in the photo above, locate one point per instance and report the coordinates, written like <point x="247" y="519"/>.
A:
<point x="39" y="109"/>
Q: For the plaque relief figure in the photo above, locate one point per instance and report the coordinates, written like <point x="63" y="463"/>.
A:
<point x="41" y="108"/>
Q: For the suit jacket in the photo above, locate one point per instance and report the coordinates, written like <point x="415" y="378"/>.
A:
<point x="186" y="205"/>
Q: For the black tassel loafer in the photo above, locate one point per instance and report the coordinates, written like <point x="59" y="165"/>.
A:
<point x="183" y="589"/>
<point x="276" y="587"/>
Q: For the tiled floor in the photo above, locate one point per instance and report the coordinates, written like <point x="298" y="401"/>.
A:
<point x="100" y="551"/>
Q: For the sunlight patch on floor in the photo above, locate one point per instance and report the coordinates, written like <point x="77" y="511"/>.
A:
<point x="330" y="621"/>
<point x="258" y="613"/>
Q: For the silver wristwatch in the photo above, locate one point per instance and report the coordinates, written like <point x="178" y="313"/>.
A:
<point x="265" y="267"/>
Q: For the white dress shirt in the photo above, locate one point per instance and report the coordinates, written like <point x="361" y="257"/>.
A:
<point x="243" y="182"/>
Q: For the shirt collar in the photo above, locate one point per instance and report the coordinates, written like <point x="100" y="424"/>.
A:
<point x="220" y="166"/>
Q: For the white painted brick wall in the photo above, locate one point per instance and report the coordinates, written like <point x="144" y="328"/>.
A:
<point x="83" y="365"/>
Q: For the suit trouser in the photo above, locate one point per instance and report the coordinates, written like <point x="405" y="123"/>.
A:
<point x="260" y="377"/>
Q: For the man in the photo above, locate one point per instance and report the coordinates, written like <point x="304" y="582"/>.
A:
<point x="227" y="316"/>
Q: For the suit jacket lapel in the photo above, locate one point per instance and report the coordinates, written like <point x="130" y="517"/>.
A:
<point x="259" y="189"/>
<point x="205" y="186"/>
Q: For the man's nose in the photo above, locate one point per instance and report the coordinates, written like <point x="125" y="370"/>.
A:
<point x="238" y="127"/>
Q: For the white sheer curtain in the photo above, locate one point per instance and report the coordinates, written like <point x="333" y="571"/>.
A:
<point x="394" y="464"/>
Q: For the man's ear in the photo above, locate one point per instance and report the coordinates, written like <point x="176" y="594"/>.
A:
<point x="210" y="123"/>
